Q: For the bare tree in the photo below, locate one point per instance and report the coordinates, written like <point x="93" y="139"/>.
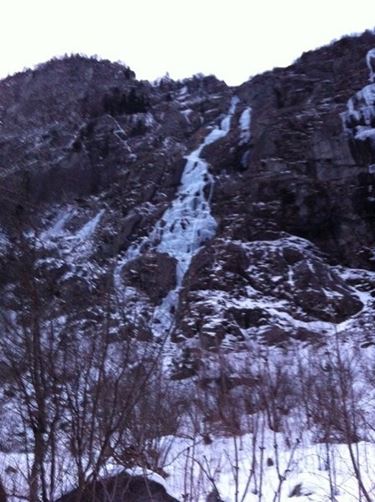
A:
<point x="84" y="397"/>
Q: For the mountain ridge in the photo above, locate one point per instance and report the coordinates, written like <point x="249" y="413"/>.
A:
<point x="195" y="252"/>
<point x="121" y="144"/>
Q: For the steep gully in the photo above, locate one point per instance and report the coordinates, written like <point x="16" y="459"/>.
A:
<point x="183" y="228"/>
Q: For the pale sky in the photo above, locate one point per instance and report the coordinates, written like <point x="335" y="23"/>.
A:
<point x="233" y="39"/>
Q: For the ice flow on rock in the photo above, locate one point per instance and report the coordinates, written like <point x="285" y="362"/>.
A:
<point x="370" y="60"/>
<point x="359" y="118"/>
<point x="186" y="224"/>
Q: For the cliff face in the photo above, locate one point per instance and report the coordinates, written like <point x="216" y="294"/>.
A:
<point x="223" y="216"/>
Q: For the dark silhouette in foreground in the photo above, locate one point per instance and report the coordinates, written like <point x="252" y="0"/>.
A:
<point x="120" y="488"/>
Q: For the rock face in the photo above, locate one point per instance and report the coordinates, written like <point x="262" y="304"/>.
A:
<point x="301" y="166"/>
<point x="248" y="288"/>
<point x="274" y="181"/>
<point x="153" y="274"/>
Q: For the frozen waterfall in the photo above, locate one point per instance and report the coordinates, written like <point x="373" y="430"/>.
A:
<point x="359" y="118"/>
<point x="186" y="224"/>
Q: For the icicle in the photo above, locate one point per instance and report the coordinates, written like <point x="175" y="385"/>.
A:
<point x="370" y="60"/>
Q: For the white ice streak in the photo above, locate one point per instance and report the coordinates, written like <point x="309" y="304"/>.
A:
<point x="359" y="119"/>
<point x="361" y="108"/>
<point x="4" y="240"/>
<point x="76" y="243"/>
<point x="364" y="133"/>
<point x="370" y="61"/>
<point x="244" y="122"/>
<point x="58" y="227"/>
<point x="183" y="91"/>
<point x="89" y="228"/>
<point x="361" y="105"/>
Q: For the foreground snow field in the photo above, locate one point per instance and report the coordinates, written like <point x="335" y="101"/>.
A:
<point x="272" y="468"/>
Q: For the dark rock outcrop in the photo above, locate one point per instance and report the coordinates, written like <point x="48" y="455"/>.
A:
<point x="153" y="274"/>
<point x="120" y="488"/>
<point x="3" y="495"/>
<point x="268" y="289"/>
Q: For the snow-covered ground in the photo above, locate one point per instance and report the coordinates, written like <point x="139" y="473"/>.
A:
<point x="309" y="458"/>
<point x="262" y="466"/>
<point x="267" y="468"/>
